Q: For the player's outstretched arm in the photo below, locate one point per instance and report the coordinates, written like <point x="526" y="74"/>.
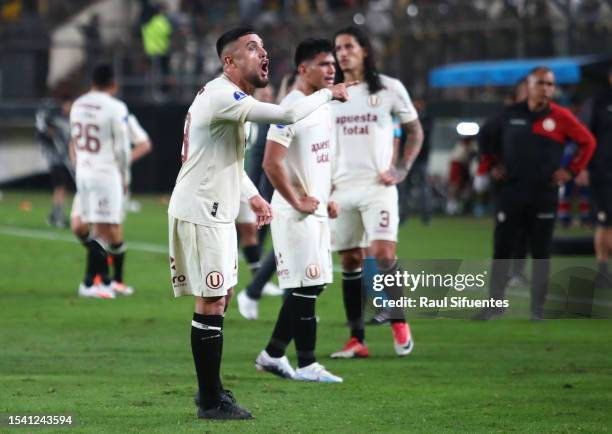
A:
<point x="275" y="114"/>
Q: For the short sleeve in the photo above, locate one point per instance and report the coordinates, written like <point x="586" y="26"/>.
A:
<point x="402" y="104"/>
<point x="136" y="132"/>
<point x="231" y="104"/>
<point x="282" y="134"/>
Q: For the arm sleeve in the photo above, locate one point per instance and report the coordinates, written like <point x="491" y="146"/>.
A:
<point x="578" y="133"/>
<point x="276" y="114"/>
<point x="121" y="142"/>
<point x="247" y="188"/>
<point x="136" y="132"/>
<point x="402" y="107"/>
<point x="282" y="134"/>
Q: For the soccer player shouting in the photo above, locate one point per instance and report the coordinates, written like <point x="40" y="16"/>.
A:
<point x="365" y="180"/>
<point x="297" y="162"/>
<point x="206" y="199"/>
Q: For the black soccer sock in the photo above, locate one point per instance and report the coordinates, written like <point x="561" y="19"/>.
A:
<point x="283" y="329"/>
<point x="394" y="292"/>
<point x="206" y="347"/>
<point x="305" y="324"/>
<point x="252" y="254"/>
<point x="96" y="257"/>
<point x="353" y="302"/>
<point x="264" y="274"/>
<point x="117" y="252"/>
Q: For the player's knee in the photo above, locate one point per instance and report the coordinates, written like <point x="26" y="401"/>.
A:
<point x="210" y="305"/>
<point x="351" y="261"/>
<point x="386" y="260"/>
<point x="79" y="229"/>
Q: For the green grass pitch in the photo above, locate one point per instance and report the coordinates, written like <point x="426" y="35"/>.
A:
<point x="125" y="365"/>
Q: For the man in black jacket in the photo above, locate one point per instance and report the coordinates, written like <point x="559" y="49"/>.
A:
<point x="524" y="145"/>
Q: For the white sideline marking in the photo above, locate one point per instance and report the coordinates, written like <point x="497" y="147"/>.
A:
<point x="40" y="234"/>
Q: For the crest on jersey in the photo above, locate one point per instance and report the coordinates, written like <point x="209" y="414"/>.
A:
<point x="214" y="280"/>
<point x="549" y="124"/>
<point x="373" y="100"/>
<point x="313" y="271"/>
<point x="238" y="95"/>
<point x="602" y="216"/>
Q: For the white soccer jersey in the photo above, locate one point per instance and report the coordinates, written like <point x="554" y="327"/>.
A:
<point x="98" y="125"/>
<point x="212" y="179"/>
<point x="364" y="129"/>
<point x="307" y="162"/>
<point x="136" y="132"/>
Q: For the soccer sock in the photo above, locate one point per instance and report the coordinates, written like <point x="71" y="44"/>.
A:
<point x="117" y="253"/>
<point x="206" y="347"/>
<point x="351" y="294"/>
<point x="96" y="255"/>
<point x="268" y="266"/>
<point x="602" y="267"/>
<point x="395" y="292"/>
<point x="305" y="324"/>
<point x="252" y="254"/>
<point x="283" y="329"/>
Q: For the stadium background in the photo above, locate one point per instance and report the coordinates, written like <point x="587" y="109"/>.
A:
<point x="124" y="367"/>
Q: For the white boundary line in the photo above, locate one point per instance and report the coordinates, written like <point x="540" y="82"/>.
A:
<point x="40" y="234"/>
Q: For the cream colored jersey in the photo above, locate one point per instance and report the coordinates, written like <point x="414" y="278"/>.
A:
<point x="98" y="124"/>
<point x="212" y="180"/>
<point x="309" y="144"/>
<point x="364" y="129"/>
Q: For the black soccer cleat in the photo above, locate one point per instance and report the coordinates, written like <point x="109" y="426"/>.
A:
<point x="226" y="410"/>
<point x="488" y="313"/>
<point x="226" y="395"/>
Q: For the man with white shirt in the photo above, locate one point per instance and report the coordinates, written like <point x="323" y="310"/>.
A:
<point x="365" y="179"/>
<point x="98" y="123"/>
<point x="116" y="257"/>
<point x="298" y="163"/>
<point x="206" y="199"/>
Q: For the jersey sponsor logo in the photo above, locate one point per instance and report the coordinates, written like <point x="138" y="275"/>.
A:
<point x="549" y="124"/>
<point x="313" y="271"/>
<point x="214" y="280"/>
<point x="238" y="95"/>
<point x="373" y="100"/>
<point x="215" y="207"/>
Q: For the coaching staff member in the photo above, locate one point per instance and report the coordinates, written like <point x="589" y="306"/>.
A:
<point x="524" y="145"/>
<point x="600" y="180"/>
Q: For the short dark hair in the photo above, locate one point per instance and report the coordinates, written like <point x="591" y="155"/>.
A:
<point x="231" y="36"/>
<point x="540" y="68"/>
<point x="103" y="76"/>
<point x="309" y="48"/>
<point x="370" y="73"/>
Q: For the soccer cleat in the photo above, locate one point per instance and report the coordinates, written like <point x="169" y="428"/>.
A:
<point x="278" y="366"/>
<point x="518" y="281"/>
<point x="121" y="288"/>
<point x="402" y="338"/>
<point x="487" y="313"/>
<point x="272" y="290"/>
<point x="226" y="395"/>
<point x="96" y="291"/>
<point x="247" y="307"/>
<point x="382" y="317"/>
<point x="316" y="372"/>
<point x="227" y="410"/>
<point x="352" y="349"/>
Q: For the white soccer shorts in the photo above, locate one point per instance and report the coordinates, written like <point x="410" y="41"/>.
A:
<point x="100" y="199"/>
<point x="203" y="259"/>
<point x="302" y="248"/>
<point x="366" y="214"/>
